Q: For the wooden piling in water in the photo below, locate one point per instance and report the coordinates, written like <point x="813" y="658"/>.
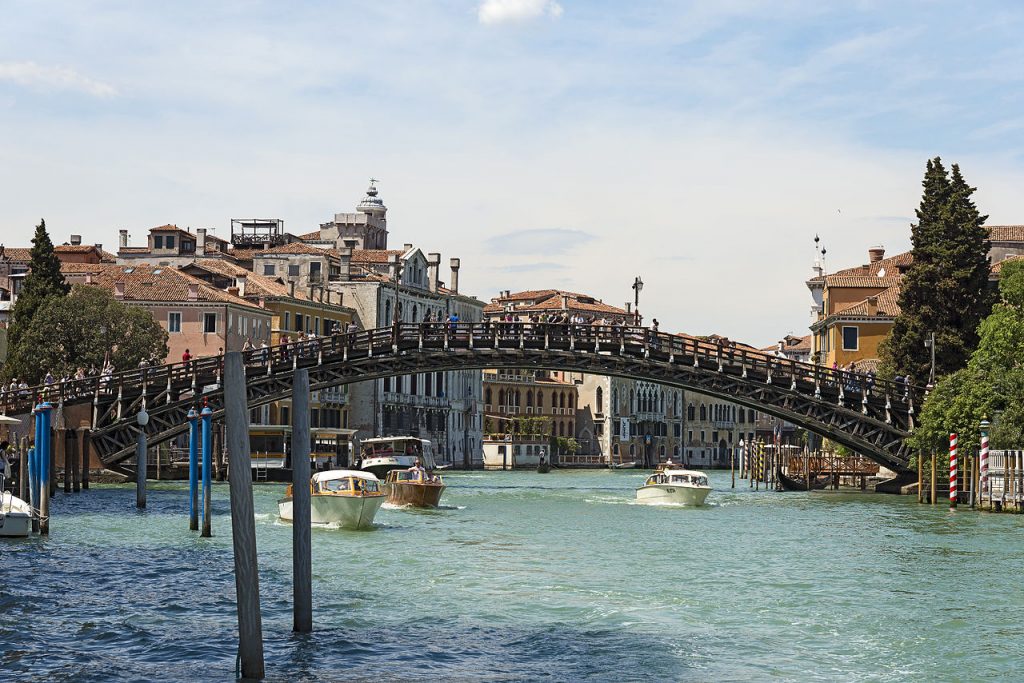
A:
<point x="302" y="562"/>
<point x="206" y="419"/>
<point x="86" y="457"/>
<point x="76" y="484"/>
<point x="23" y="469"/>
<point x="920" y="481"/>
<point x="243" y="525"/>
<point x="140" y="468"/>
<point x="935" y="480"/>
<point x="62" y="446"/>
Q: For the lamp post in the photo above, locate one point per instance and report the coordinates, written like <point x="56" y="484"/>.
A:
<point x="638" y="285"/>
<point x="742" y="444"/>
<point x="141" y="455"/>
<point x="929" y="344"/>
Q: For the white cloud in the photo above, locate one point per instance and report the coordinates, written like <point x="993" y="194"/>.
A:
<point x="512" y="11"/>
<point x="53" y="78"/>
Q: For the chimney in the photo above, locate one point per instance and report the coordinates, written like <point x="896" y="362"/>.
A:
<point x="291" y="288"/>
<point x="193" y="291"/>
<point x="240" y="282"/>
<point x="76" y="240"/>
<point x="122" y="240"/>
<point x="393" y="266"/>
<point x="565" y="302"/>
<point x="876" y="254"/>
<point x="629" y="306"/>
<point x="345" y="257"/>
<point x="233" y="291"/>
<point x="88" y="278"/>
<point x="200" y="241"/>
<point x="350" y="243"/>
<point x="433" y="266"/>
<point x="455" y="264"/>
<point x="119" y="289"/>
<point x="872" y="305"/>
<point x="407" y="247"/>
<point x="99" y="248"/>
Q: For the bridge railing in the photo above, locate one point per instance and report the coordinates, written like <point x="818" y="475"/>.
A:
<point x="404" y="337"/>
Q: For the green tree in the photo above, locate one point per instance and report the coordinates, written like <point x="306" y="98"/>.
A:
<point x="946" y="289"/>
<point x="85" y="329"/>
<point x="43" y="282"/>
<point x="992" y="384"/>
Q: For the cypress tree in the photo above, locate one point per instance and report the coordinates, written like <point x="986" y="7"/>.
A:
<point x="946" y="289"/>
<point x="43" y="282"/>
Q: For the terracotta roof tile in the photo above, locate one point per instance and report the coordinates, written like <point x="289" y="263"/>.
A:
<point x="315" y="235"/>
<point x="551" y="300"/>
<point x="255" y="285"/>
<point x="1006" y="233"/>
<point x="300" y="248"/>
<point x="997" y="268"/>
<point x="886" y="303"/>
<point x="374" y="255"/>
<point x="865" y="281"/>
<point x="18" y="253"/>
<point x="149" y="283"/>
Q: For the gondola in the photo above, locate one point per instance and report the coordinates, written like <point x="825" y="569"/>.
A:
<point x="818" y="482"/>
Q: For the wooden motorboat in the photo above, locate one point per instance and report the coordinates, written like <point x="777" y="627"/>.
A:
<point x="818" y="482"/>
<point x="383" y="454"/>
<point x="671" y="484"/>
<point x="414" y="487"/>
<point x="345" y="498"/>
<point x="15" y="516"/>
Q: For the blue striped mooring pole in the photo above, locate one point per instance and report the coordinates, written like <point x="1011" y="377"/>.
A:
<point x="193" y="470"/>
<point x="44" y="468"/>
<point x="207" y="419"/>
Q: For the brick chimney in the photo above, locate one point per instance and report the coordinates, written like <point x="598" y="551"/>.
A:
<point x="407" y="246"/>
<point x="565" y="302"/>
<point x="876" y="254"/>
<point x="240" y="282"/>
<point x="200" y="241"/>
<point x="291" y="288"/>
<point x="393" y="266"/>
<point x="455" y="265"/>
<point x="119" y="289"/>
<point x="122" y="238"/>
<point x="233" y="291"/>
<point x="193" y="291"/>
<point x="345" y="259"/>
<point x="433" y="266"/>
<point x="872" y="305"/>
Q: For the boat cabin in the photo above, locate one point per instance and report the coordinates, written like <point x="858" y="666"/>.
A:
<point x="683" y="477"/>
<point x="414" y="476"/>
<point x="399" y="446"/>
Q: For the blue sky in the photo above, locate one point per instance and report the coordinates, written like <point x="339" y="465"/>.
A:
<point x="565" y="144"/>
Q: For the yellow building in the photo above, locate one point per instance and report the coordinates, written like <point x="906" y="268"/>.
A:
<point x="857" y="312"/>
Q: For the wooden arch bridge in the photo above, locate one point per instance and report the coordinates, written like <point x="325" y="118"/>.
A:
<point x="872" y="417"/>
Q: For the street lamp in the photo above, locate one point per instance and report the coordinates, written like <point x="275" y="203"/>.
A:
<point x="742" y="454"/>
<point x="929" y="343"/>
<point x="638" y="285"/>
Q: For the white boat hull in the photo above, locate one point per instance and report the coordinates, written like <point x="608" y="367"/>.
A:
<point x="346" y="512"/>
<point x="15" y="517"/>
<point x="672" y="494"/>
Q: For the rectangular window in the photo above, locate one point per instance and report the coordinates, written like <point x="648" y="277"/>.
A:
<point x="174" y="322"/>
<point x="850" y="337"/>
<point x="158" y="241"/>
<point x="689" y="436"/>
<point x="209" y="323"/>
<point x="298" y="323"/>
<point x="316" y="326"/>
<point x="293" y="271"/>
<point x="287" y="321"/>
<point x="170" y="241"/>
<point x="268" y="269"/>
<point x="314" y="270"/>
<point x="188" y="246"/>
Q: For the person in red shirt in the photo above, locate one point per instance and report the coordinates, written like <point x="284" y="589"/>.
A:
<point x="186" y="357"/>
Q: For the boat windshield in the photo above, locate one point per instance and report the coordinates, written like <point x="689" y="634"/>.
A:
<point x="336" y="485"/>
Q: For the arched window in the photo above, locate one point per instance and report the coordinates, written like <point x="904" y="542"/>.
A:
<point x="415" y="312"/>
<point x="615" y="449"/>
<point x="632" y="449"/>
<point x="517" y="403"/>
<point x="487" y="395"/>
<point x="742" y="414"/>
<point x="703" y="413"/>
<point x="427" y="384"/>
<point x="663" y="452"/>
<point x="387" y="312"/>
<point x="561" y="400"/>
<point x="561" y="428"/>
<point x="632" y="402"/>
<point x="599" y="400"/>
<point x="675" y="451"/>
<point x="387" y="384"/>
<point x="691" y="412"/>
<point x="615" y="400"/>
<point x="501" y="397"/>
<point x="413" y="384"/>
<point x="540" y="399"/>
<point x="440" y="384"/>
<point x="529" y="399"/>
<point x="750" y="415"/>
<point x="572" y="400"/>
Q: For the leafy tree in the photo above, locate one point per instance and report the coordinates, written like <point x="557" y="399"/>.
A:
<point x="992" y="384"/>
<point x="43" y="282"/>
<point x="945" y="290"/>
<point x="85" y="329"/>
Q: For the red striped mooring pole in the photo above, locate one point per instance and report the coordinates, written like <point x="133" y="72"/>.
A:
<point x="984" y="458"/>
<point x="952" y="471"/>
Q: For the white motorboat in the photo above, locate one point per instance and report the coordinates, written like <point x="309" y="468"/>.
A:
<point x="674" y="485"/>
<point x="15" y="516"/>
<point x="383" y="454"/>
<point x="344" y="498"/>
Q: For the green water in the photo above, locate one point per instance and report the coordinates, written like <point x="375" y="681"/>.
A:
<point x="530" y="577"/>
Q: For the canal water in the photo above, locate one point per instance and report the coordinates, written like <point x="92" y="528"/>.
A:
<point x="523" y="576"/>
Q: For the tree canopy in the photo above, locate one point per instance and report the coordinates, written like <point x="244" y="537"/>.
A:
<point x="992" y="384"/>
<point x="945" y="290"/>
<point x="85" y="329"/>
<point x="43" y="282"/>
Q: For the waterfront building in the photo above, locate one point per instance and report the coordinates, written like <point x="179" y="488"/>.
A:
<point x="531" y="408"/>
<point x="197" y="316"/>
<point x="349" y="257"/>
<point x="855" y="308"/>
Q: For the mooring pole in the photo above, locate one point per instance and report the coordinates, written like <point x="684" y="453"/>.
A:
<point x="935" y="481"/>
<point x="141" y="458"/>
<point x="23" y="470"/>
<point x="62" y="446"/>
<point x="920" y="479"/>
<point x="207" y="419"/>
<point x="76" y="485"/>
<point x="243" y="525"/>
<point x="193" y="470"/>
<point x="302" y="562"/>
<point x="952" y="472"/>
<point x="86" y="456"/>
<point x="44" y="470"/>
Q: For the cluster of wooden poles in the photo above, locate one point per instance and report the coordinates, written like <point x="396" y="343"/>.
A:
<point x="758" y="464"/>
<point x="985" y="480"/>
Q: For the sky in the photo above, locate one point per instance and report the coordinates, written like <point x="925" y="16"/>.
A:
<point x="569" y="144"/>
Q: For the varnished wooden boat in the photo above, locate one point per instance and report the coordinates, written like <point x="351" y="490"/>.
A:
<point x="348" y="499"/>
<point x="413" y="488"/>
<point x="818" y="482"/>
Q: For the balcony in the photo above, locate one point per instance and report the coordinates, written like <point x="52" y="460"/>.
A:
<point x="332" y="396"/>
<point x="411" y="400"/>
